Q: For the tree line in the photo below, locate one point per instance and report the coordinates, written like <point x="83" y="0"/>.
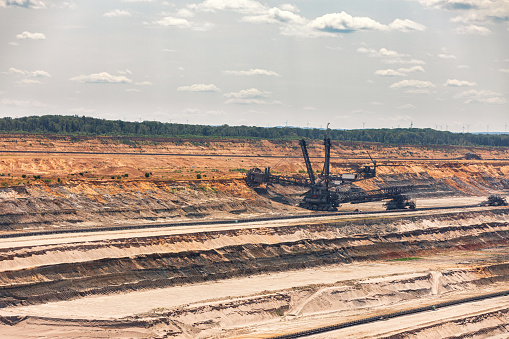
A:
<point x="76" y="125"/>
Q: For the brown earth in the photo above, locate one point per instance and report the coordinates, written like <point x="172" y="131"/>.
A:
<point x="255" y="279"/>
<point x="83" y="190"/>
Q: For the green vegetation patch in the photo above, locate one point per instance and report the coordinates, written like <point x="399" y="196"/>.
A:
<point x="241" y="170"/>
<point x="76" y="126"/>
<point x="406" y="259"/>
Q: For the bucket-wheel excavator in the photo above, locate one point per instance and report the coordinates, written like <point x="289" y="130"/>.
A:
<point x="323" y="194"/>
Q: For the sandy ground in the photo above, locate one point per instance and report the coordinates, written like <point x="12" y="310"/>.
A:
<point x="117" y="306"/>
<point x="121" y="234"/>
<point x="128" y="304"/>
<point x="392" y="326"/>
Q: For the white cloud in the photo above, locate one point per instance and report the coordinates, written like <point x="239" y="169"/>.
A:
<point x="127" y="71"/>
<point x="21" y="103"/>
<point x="183" y="23"/>
<point x="412" y="69"/>
<point x="241" y="6"/>
<point x="459" y="83"/>
<point x="117" y="13"/>
<point x="366" y="50"/>
<point x="69" y="5"/>
<point x="102" y="78"/>
<point x="251" y="93"/>
<point x="504" y="70"/>
<point x="303" y="31"/>
<point x="255" y="71"/>
<point x="13" y="70"/>
<point x="34" y="74"/>
<point x="173" y="22"/>
<point x="199" y="88"/>
<point x="450" y="4"/>
<point x="417" y="91"/>
<point x="40" y="74"/>
<point x="400" y="72"/>
<point x="32" y="4"/>
<point x="446" y="56"/>
<point x="389" y="73"/>
<point x="28" y="82"/>
<point x="309" y="108"/>
<point x="485" y="97"/>
<point x="390" y="57"/>
<point x="249" y="96"/>
<point x="274" y="15"/>
<point x="295" y="25"/>
<point x="472" y="29"/>
<point x="382" y="52"/>
<point x="412" y="83"/>
<point x="31" y="36"/>
<point x="406" y="106"/>
<point x="289" y="7"/>
<point x="403" y="61"/>
<point x="388" y="53"/>
<point x="472" y="11"/>
<point x="345" y="23"/>
<point x="185" y="13"/>
<point x="406" y="26"/>
<point x="143" y="83"/>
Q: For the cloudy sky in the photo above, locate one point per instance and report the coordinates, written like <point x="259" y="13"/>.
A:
<point x="354" y="63"/>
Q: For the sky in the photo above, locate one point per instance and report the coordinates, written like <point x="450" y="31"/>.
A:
<point x="441" y="64"/>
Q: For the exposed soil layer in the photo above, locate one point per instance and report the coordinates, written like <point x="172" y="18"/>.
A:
<point x="107" y="204"/>
<point x="136" y="183"/>
<point x="59" y="272"/>
<point x="86" y="203"/>
<point x="486" y="325"/>
<point x="282" y="311"/>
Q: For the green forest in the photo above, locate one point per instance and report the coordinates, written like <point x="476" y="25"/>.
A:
<point x="75" y="125"/>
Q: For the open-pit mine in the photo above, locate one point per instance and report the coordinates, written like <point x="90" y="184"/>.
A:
<point x="109" y="237"/>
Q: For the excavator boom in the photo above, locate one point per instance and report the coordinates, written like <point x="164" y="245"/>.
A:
<point x="305" y="154"/>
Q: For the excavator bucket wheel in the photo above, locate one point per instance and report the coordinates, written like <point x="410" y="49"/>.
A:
<point x="250" y="177"/>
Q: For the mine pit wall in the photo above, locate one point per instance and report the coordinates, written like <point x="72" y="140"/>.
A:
<point x="46" y="273"/>
<point x="106" y="204"/>
<point x="346" y="300"/>
<point x="82" y="203"/>
<point x="487" y="325"/>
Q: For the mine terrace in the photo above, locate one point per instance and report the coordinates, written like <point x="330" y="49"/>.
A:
<point x="114" y="237"/>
